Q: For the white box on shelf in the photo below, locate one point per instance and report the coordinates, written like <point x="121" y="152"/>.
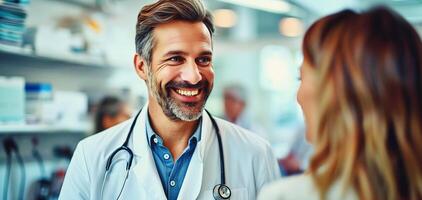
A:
<point x="39" y="104"/>
<point x="12" y="100"/>
<point x="72" y="108"/>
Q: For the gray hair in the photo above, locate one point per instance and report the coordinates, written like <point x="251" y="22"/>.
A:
<point x="164" y="11"/>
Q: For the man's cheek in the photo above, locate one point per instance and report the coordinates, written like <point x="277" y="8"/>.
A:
<point x="164" y="89"/>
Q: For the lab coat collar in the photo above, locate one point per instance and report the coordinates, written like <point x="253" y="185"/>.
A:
<point x="140" y="143"/>
<point x="151" y="133"/>
<point x="146" y="170"/>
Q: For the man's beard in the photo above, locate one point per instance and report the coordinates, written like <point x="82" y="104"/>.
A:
<point x="174" y="109"/>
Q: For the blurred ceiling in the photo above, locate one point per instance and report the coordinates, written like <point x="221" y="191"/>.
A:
<point x="245" y="20"/>
<point x="410" y="9"/>
<point x="263" y="18"/>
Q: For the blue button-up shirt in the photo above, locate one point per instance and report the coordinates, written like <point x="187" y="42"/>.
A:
<point x="171" y="173"/>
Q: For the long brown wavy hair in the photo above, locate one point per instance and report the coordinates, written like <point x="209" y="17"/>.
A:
<point x="369" y="132"/>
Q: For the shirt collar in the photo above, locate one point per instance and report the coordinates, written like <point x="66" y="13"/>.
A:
<point x="150" y="133"/>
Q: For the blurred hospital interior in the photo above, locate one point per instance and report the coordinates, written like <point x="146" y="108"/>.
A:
<point x="66" y="72"/>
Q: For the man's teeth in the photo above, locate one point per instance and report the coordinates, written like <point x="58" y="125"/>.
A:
<point x="188" y="93"/>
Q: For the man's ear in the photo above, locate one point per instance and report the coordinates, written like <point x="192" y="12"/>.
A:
<point x="140" y="66"/>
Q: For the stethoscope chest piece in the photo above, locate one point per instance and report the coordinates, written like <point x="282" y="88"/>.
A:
<point x="221" y="191"/>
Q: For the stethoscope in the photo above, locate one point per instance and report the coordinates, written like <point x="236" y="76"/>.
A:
<point x="220" y="191"/>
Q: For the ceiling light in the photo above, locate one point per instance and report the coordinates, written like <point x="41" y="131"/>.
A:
<point x="275" y="6"/>
<point x="291" y="27"/>
<point x="224" y="18"/>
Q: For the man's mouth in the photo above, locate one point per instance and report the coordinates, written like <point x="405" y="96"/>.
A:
<point x="187" y="92"/>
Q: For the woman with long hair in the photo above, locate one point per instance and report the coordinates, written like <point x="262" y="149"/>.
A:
<point x="361" y="94"/>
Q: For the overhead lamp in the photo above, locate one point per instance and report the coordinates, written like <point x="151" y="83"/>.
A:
<point x="224" y="18"/>
<point x="275" y="6"/>
<point x="291" y="27"/>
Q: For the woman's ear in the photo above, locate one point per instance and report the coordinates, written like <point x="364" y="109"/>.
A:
<point x="140" y="66"/>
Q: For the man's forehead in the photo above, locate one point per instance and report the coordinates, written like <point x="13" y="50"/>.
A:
<point x="203" y="48"/>
<point x="179" y="32"/>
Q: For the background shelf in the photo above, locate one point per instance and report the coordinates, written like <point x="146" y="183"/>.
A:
<point x="44" y="129"/>
<point x="20" y="56"/>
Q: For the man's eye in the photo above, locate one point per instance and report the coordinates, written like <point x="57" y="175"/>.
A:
<point x="176" y="59"/>
<point x="203" y="60"/>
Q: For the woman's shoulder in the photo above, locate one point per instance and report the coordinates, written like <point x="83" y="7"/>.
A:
<point x="301" y="187"/>
<point x="294" y="187"/>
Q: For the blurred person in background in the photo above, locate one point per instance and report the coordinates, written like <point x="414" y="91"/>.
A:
<point x="111" y="111"/>
<point x="361" y="93"/>
<point x="235" y="109"/>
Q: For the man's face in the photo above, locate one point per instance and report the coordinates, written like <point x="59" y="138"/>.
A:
<point x="181" y="76"/>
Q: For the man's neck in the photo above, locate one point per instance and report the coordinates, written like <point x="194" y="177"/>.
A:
<point x="175" y="133"/>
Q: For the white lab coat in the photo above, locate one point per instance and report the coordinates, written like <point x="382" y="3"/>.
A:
<point x="249" y="163"/>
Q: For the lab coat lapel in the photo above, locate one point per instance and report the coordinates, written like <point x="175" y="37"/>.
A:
<point x="193" y="179"/>
<point x="144" y="168"/>
<point x="208" y="135"/>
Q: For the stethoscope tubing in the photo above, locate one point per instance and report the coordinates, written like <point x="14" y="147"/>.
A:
<point x="125" y="147"/>
<point x="220" y="148"/>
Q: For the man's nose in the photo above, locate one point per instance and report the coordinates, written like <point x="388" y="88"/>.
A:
<point x="190" y="73"/>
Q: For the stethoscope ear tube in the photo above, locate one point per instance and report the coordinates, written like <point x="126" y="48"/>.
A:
<point x="129" y="162"/>
<point x="110" y="159"/>
<point x="124" y="147"/>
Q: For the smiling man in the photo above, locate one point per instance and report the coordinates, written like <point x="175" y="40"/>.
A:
<point x="173" y="149"/>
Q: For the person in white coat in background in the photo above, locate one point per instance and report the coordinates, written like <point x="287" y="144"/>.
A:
<point x="173" y="148"/>
<point x="235" y="109"/>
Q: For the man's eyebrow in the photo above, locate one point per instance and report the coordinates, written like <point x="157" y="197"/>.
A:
<point x="206" y="53"/>
<point x="176" y="52"/>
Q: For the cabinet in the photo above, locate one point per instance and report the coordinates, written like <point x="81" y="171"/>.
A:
<point x="63" y="57"/>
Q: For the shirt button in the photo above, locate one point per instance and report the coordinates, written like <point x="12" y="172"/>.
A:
<point x="155" y="140"/>
<point x="172" y="183"/>
<point x="166" y="156"/>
